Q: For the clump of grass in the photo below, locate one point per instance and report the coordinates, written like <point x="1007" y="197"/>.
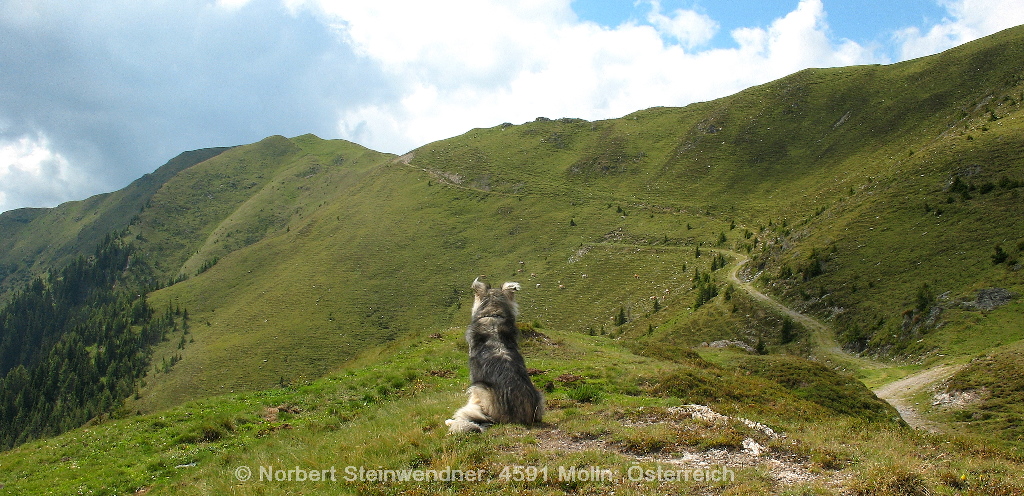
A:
<point x="892" y="480"/>
<point x="812" y="381"/>
<point x="586" y="392"/>
<point x="647" y="439"/>
<point x="208" y="431"/>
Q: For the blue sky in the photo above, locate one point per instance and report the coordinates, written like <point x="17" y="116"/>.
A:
<point x="93" y="94"/>
<point x="863" y="21"/>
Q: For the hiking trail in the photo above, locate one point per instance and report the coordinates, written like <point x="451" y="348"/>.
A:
<point x="897" y="393"/>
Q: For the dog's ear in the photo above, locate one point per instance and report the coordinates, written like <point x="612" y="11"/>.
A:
<point x="479" y="287"/>
<point x="510" y="288"/>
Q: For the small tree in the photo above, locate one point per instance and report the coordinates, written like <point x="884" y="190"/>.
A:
<point x="760" y="348"/>
<point x="788" y="333"/>
<point x="999" y="256"/>
<point x="925" y="297"/>
<point x="621" y="317"/>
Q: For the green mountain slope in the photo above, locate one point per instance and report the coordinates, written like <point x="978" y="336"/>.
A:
<point x="861" y="184"/>
<point x="35" y="240"/>
<point x="836" y="181"/>
<point x="817" y="432"/>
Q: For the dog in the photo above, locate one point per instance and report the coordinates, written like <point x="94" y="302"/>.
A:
<point x="500" y="388"/>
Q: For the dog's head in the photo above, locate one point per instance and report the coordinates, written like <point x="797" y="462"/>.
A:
<point x="496" y="303"/>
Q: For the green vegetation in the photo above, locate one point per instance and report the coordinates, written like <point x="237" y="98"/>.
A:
<point x="73" y="344"/>
<point x="385" y="411"/>
<point x="986" y="397"/>
<point x="36" y="240"/>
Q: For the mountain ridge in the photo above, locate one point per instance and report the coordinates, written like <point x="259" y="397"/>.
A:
<point x="37" y="238"/>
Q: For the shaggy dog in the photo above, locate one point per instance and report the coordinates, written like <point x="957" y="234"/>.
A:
<point x="501" y="390"/>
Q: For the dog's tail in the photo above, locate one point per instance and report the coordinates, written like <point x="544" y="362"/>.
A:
<point x="487" y="406"/>
<point x="471" y="418"/>
<point x="519" y="405"/>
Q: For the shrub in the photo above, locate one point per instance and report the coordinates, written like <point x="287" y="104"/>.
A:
<point x="999" y="256"/>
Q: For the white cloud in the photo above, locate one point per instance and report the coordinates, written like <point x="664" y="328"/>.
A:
<point x="968" y="20"/>
<point x="119" y="87"/>
<point x="691" y="28"/>
<point x="478" y="63"/>
<point x="32" y="174"/>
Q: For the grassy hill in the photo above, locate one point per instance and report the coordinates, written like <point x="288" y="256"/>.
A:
<point x="882" y="199"/>
<point x="385" y="411"/>
<point x="609" y="410"/>
<point x="883" y="178"/>
<point x="35" y="240"/>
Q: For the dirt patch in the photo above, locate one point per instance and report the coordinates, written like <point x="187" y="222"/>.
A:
<point x="784" y="468"/>
<point x="271" y="413"/>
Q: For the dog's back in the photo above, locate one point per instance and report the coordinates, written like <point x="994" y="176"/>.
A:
<point x="501" y="389"/>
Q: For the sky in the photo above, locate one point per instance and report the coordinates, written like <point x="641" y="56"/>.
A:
<point x="94" y="94"/>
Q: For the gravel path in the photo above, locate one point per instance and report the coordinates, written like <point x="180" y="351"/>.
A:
<point x="899" y="394"/>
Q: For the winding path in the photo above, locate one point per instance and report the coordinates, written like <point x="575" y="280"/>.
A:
<point x="897" y="393"/>
<point x="825" y="344"/>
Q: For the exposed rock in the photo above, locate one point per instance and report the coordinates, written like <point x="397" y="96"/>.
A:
<point x="988" y="299"/>
<point x="958" y="399"/>
<point x="785" y="469"/>
<point x="726" y="343"/>
<point x="751" y="446"/>
<point x="708" y="415"/>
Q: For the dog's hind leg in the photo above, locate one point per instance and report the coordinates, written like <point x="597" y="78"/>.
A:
<point x="473" y="417"/>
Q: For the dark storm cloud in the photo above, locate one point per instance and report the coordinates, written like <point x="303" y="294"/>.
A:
<point x="119" y="88"/>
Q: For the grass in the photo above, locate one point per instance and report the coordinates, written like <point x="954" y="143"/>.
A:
<point x="995" y="409"/>
<point x="385" y="411"/>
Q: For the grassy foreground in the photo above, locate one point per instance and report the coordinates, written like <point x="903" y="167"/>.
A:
<point x="617" y="421"/>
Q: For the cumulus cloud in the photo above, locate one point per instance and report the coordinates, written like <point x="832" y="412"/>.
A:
<point x="689" y="27"/>
<point x="31" y="171"/>
<point x="478" y="63"/>
<point x="968" y="20"/>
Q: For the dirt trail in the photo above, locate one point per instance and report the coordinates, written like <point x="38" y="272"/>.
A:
<point x="897" y="393"/>
<point x="824" y="341"/>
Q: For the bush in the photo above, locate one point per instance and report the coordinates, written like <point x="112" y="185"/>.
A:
<point x="999" y="256"/>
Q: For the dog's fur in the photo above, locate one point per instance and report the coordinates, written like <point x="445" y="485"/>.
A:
<point x="501" y="390"/>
